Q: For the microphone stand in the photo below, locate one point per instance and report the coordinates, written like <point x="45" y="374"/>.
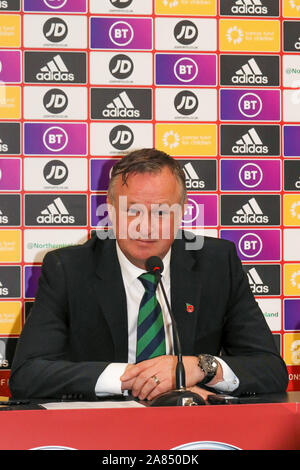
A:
<point x="180" y="396"/>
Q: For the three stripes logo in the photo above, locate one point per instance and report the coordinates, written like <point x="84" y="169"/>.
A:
<point x="3" y="218"/>
<point x="250" y="213"/>
<point x="121" y="106"/>
<point x="55" y="70"/>
<point x="121" y="103"/>
<point x="250" y="143"/>
<point x="256" y="283"/>
<point x="55" y="213"/>
<point x="249" y="7"/>
<point x="192" y="180"/>
<point x="249" y="74"/>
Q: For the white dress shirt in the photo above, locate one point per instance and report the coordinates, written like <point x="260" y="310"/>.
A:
<point x="109" y="381"/>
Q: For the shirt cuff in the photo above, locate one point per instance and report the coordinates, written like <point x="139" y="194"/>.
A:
<point x="109" y="382"/>
<point x="230" y="380"/>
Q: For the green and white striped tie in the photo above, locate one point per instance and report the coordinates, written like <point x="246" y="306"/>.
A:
<point x="150" y="328"/>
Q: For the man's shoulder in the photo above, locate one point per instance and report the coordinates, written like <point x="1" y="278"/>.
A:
<point x="80" y="253"/>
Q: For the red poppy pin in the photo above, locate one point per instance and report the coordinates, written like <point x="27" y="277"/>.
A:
<point x="189" y="308"/>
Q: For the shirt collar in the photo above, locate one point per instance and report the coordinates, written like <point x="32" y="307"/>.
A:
<point x="130" y="272"/>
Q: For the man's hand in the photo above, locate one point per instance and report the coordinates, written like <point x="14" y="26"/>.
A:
<point x="201" y="391"/>
<point x="150" y="378"/>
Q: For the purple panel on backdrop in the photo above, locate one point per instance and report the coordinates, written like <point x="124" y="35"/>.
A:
<point x="202" y="210"/>
<point x="55" y="139"/>
<point x="10" y="174"/>
<point x="100" y="172"/>
<point x="187" y="69"/>
<point x="249" y="105"/>
<point x="292" y="314"/>
<point x="124" y="33"/>
<point x="250" y="175"/>
<point x="99" y="215"/>
<point x="10" y="66"/>
<point x="291" y="139"/>
<point x="255" y="245"/>
<point x="56" y="6"/>
<point x="32" y="275"/>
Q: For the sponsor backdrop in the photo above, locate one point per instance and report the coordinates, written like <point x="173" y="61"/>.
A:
<point x="214" y="83"/>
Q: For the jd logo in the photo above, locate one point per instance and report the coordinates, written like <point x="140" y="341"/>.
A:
<point x="121" y="3"/>
<point x="185" y="32"/>
<point x="55" y="101"/>
<point x="186" y="102"/>
<point x="121" y="137"/>
<point x="55" y="29"/>
<point x="121" y="66"/>
<point x="56" y="172"/>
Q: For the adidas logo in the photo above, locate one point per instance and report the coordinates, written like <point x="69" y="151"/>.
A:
<point x="55" y="213"/>
<point x="250" y="73"/>
<point x="3" y="218"/>
<point x="256" y="284"/>
<point x="250" y="213"/>
<point x="192" y="180"/>
<point x="3" y="290"/>
<point x="3" y="147"/>
<point x="56" y="70"/>
<point x="3" y="361"/>
<point x="250" y="143"/>
<point x="249" y="7"/>
<point x="121" y="106"/>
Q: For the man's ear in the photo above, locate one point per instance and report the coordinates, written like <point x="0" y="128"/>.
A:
<point x="110" y="208"/>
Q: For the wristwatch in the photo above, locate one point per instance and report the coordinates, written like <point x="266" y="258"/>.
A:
<point x="209" y="365"/>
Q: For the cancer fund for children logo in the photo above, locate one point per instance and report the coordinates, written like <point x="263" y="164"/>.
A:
<point x="249" y="35"/>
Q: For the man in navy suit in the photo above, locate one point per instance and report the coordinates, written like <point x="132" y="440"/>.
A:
<point x="80" y="340"/>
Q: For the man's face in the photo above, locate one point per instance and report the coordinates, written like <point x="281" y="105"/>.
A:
<point x="147" y="213"/>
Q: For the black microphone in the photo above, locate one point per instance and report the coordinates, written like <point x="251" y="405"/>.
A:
<point x="180" y="396"/>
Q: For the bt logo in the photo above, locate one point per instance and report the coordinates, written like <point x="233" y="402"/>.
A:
<point x="121" y="33"/>
<point x="55" y="4"/>
<point x="250" y="105"/>
<point x="55" y="139"/>
<point x="250" y="245"/>
<point x="250" y="175"/>
<point x="185" y="69"/>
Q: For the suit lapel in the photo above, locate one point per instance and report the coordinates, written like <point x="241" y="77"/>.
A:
<point x="185" y="291"/>
<point x="110" y="292"/>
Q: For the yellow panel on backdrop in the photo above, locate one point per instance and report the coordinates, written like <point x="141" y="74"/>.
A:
<point x="187" y="139"/>
<point x="291" y="209"/>
<point x="10" y="31"/>
<point x="249" y="35"/>
<point x="10" y="102"/>
<point x="291" y="8"/>
<point x="10" y="318"/>
<point x="10" y="246"/>
<point x="292" y="279"/>
<point x="292" y="349"/>
<point x="186" y="7"/>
